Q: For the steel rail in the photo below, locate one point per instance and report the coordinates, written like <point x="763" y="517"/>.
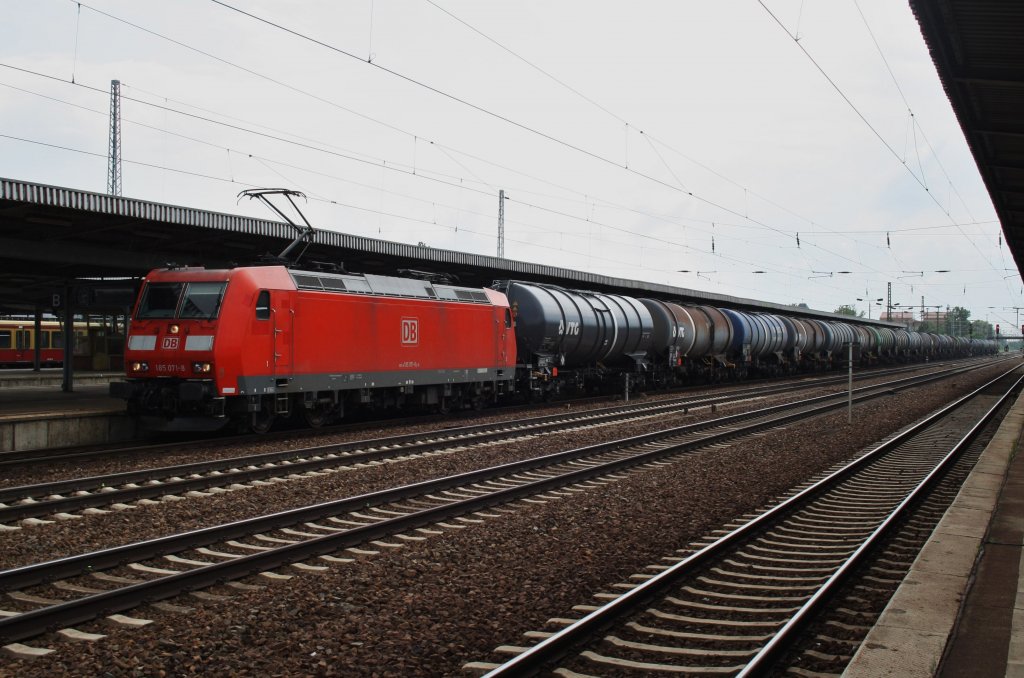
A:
<point x="160" y="546"/>
<point x="32" y="457"/>
<point x="33" y="623"/>
<point x="34" y="574"/>
<point x="16" y="492"/>
<point x="788" y="634"/>
<point x="107" y="489"/>
<point x="562" y="642"/>
<point x="25" y="458"/>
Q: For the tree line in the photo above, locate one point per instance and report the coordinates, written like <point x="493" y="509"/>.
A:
<point x="957" y="323"/>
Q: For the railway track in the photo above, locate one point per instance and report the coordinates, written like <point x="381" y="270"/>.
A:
<point x="66" y="498"/>
<point x="58" y="594"/>
<point x="743" y="599"/>
<point x="21" y="459"/>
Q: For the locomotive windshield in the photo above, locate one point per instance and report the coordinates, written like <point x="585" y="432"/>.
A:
<point x="202" y="300"/>
<point x="181" y="300"/>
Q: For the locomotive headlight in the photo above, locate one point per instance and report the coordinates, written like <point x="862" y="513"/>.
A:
<point x="173" y="329"/>
<point x="140" y="367"/>
<point x="201" y="368"/>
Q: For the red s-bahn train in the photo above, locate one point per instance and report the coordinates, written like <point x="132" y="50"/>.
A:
<point x="249" y="344"/>
<point x="18" y="340"/>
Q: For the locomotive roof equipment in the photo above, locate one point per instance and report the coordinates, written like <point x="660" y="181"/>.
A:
<point x="305" y="234"/>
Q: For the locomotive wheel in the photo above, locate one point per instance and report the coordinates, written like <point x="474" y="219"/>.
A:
<point x="445" y="405"/>
<point x="315" y="417"/>
<point x="262" y="421"/>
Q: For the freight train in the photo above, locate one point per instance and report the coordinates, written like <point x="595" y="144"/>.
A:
<point x="254" y="343"/>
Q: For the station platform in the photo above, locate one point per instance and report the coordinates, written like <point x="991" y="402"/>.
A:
<point x="35" y="413"/>
<point x="52" y="377"/>
<point x="960" y="610"/>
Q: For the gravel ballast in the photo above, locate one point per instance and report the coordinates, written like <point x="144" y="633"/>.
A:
<point x="158" y="455"/>
<point x="427" y="608"/>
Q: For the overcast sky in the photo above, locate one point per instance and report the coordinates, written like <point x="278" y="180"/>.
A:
<point x="635" y="139"/>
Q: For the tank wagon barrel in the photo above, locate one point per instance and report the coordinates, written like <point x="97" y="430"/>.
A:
<point x="556" y="327"/>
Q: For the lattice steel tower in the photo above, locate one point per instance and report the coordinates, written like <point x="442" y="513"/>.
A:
<point x="114" y="149"/>
<point x="501" y="224"/>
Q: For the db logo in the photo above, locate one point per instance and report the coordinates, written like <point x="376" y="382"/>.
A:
<point x="170" y="343"/>
<point x="410" y="331"/>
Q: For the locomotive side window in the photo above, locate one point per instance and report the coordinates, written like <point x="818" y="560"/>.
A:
<point x="5" y="338"/>
<point x="202" y="300"/>
<point x="263" y="306"/>
<point x="23" y="340"/>
<point x="160" y="300"/>
<point x="508" y="318"/>
<point x="44" y="339"/>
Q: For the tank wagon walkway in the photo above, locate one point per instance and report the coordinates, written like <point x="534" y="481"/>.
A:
<point x="960" y="610"/>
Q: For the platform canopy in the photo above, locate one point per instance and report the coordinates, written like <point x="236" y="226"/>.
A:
<point x="51" y="235"/>
<point x="978" y="50"/>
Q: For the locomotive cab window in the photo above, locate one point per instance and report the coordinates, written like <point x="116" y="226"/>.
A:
<point x="160" y="300"/>
<point x="179" y="300"/>
<point x="202" y="300"/>
<point x="263" y="305"/>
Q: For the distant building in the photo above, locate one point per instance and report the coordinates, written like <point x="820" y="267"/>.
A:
<point x="934" y="317"/>
<point x="898" y="316"/>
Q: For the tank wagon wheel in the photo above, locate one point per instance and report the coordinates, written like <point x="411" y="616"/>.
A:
<point x="261" y="421"/>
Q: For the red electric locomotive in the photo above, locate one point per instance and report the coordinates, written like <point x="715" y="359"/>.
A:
<point x="249" y="344"/>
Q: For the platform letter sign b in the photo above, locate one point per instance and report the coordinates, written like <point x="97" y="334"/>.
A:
<point x="410" y="331"/>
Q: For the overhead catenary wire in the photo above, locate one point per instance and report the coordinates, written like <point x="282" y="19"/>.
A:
<point x="298" y="90"/>
<point x="796" y="273"/>
<point x="591" y="201"/>
<point x="415" y="137"/>
<point x="347" y="156"/>
<point x="616" y="116"/>
<point x="309" y="146"/>
<point x="856" y="110"/>
<point x="651" y="139"/>
<point x="913" y="118"/>
<point x="503" y="118"/>
<point x="321" y="199"/>
<point x="305" y="169"/>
